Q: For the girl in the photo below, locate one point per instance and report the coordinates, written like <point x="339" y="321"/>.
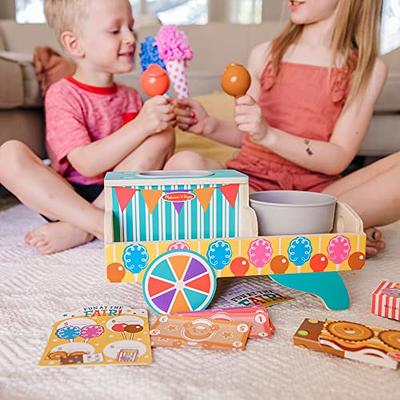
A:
<point x="307" y="111"/>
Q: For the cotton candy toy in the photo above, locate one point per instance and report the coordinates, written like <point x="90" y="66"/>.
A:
<point x="175" y="52"/>
<point x="149" y="53"/>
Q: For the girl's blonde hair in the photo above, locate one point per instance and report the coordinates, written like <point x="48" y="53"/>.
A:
<point x="356" y="31"/>
<point x="65" y="15"/>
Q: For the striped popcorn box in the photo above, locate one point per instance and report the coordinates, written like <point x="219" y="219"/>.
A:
<point x="386" y="300"/>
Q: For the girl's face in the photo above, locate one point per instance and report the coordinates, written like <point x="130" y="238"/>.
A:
<point x="310" y="11"/>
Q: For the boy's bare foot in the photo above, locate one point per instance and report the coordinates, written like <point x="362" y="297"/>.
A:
<point x="374" y="241"/>
<point x="57" y="236"/>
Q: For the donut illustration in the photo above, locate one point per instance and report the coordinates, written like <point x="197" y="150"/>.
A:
<point x="349" y="331"/>
<point x="390" y="338"/>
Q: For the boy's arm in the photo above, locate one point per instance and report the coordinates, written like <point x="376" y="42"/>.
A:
<point x="103" y="155"/>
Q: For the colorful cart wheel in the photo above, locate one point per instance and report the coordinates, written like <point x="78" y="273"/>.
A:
<point x="179" y="281"/>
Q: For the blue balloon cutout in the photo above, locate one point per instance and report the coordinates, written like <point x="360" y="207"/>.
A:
<point x="135" y="258"/>
<point x="299" y="251"/>
<point x="219" y="254"/>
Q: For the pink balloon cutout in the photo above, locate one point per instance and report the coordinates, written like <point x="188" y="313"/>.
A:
<point x="339" y="249"/>
<point x="91" y="331"/>
<point x="260" y="252"/>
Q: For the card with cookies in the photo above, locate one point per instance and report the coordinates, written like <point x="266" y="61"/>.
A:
<point x="198" y="332"/>
<point x="351" y="340"/>
<point x="99" y="335"/>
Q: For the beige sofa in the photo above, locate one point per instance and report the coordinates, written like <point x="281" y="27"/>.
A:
<point x="215" y="45"/>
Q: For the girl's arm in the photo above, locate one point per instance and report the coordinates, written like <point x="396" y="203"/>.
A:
<point x="221" y="131"/>
<point x="331" y="157"/>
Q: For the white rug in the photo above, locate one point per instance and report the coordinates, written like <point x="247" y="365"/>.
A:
<point x="35" y="290"/>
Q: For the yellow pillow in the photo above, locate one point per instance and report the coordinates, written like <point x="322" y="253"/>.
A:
<point x="219" y="105"/>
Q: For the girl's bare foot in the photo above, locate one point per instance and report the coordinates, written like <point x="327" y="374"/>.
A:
<point x="57" y="236"/>
<point x="374" y="241"/>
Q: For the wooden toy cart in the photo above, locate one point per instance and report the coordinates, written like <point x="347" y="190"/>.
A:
<point x="176" y="233"/>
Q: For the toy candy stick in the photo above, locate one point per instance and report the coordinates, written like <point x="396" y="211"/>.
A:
<point x="155" y="81"/>
<point x="235" y="80"/>
<point x="175" y="52"/>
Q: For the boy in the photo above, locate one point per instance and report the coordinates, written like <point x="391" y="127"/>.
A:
<point x="92" y="126"/>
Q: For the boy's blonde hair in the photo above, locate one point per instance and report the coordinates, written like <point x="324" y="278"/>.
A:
<point x="356" y="30"/>
<point x="65" y="15"/>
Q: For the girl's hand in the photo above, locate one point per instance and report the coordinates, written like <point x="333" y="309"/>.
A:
<point x="156" y="115"/>
<point x="191" y="116"/>
<point x="249" y="118"/>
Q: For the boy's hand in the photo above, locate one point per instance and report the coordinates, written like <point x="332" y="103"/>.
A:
<point x="249" y="118"/>
<point x="191" y="116"/>
<point x="156" y="115"/>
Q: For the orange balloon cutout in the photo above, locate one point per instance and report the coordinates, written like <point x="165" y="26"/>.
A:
<point x="155" y="81"/>
<point x="235" y="80"/>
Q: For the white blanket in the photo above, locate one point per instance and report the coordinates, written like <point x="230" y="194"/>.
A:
<point x="35" y="290"/>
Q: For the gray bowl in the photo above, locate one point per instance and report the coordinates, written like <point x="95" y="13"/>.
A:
<point x="292" y="212"/>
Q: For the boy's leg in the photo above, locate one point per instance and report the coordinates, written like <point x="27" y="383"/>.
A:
<point x="152" y="154"/>
<point x="43" y="190"/>
<point x="190" y="160"/>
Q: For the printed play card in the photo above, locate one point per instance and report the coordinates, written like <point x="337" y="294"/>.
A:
<point x="256" y="317"/>
<point x="351" y="340"/>
<point x="205" y="333"/>
<point x="252" y="292"/>
<point x="99" y="335"/>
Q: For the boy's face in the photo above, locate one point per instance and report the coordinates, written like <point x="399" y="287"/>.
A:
<point x="107" y="36"/>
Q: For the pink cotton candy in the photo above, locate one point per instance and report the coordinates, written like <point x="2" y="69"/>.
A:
<point x="173" y="44"/>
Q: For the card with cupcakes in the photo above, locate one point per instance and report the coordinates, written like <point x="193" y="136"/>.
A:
<point x="99" y="335"/>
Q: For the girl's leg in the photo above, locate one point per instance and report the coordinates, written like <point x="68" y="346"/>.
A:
<point x="374" y="193"/>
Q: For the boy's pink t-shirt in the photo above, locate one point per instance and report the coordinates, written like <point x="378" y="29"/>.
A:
<point x="79" y="114"/>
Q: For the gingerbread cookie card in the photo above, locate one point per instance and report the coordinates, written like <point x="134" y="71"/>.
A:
<point x="182" y="331"/>
<point x="99" y="335"/>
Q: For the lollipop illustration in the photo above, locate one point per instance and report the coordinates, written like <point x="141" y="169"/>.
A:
<point x="135" y="258"/>
<point x="239" y="266"/>
<point x="91" y="331"/>
<point x="299" y="251"/>
<point x="175" y="52"/>
<point x="68" y="332"/>
<point x="260" y="252"/>
<point x="219" y="254"/>
<point x="178" y="246"/>
<point x="339" y="250"/>
<point x="119" y="328"/>
<point x="132" y="329"/>
<point x="115" y="272"/>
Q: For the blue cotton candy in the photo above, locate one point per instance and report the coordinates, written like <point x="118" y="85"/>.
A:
<point x="149" y="53"/>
